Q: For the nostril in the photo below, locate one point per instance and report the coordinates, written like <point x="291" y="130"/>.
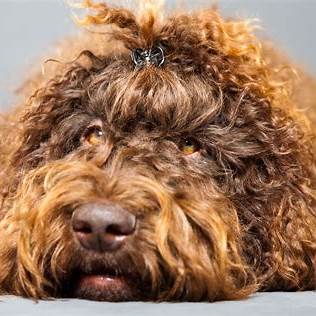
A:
<point x="115" y="230"/>
<point x="82" y="227"/>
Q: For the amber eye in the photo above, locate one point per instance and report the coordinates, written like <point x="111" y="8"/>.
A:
<point x="94" y="135"/>
<point x="189" y="146"/>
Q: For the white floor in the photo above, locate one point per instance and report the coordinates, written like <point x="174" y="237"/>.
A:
<point x="279" y="304"/>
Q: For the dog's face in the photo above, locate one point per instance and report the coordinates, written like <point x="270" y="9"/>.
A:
<point x="133" y="190"/>
<point x="139" y="183"/>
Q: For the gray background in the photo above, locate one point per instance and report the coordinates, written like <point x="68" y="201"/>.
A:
<point x="28" y="28"/>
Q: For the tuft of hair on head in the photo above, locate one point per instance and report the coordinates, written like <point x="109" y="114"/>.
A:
<point x="133" y="29"/>
<point x="150" y="16"/>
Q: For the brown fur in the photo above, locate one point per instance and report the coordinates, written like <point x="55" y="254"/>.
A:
<point x="236" y="217"/>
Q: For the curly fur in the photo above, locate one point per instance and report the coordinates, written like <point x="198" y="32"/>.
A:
<point x="236" y="217"/>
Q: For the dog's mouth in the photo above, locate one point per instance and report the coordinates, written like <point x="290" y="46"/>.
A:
<point x="106" y="285"/>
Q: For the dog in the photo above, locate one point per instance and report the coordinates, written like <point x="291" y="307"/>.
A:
<point x="159" y="159"/>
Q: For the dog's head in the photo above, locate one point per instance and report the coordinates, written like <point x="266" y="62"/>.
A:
<point x="152" y="170"/>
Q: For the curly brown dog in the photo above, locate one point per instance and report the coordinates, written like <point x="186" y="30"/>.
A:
<point x="169" y="160"/>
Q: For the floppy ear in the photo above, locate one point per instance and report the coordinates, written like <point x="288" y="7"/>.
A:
<point x="291" y="233"/>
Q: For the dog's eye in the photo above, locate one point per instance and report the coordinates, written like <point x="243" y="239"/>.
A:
<point x="189" y="146"/>
<point x="93" y="135"/>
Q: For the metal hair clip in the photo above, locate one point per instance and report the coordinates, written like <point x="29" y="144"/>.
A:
<point x="153" y="56"/>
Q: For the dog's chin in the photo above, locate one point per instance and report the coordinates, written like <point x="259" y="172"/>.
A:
<point x="105" y="287"/>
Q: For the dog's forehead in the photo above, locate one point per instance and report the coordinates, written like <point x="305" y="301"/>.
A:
<point x="158" y="97"/>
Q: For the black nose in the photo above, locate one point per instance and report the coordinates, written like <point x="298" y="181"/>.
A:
<point x="102" y="227"/>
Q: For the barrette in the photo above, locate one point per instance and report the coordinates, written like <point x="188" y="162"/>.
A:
<point x="146" y="57"/>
